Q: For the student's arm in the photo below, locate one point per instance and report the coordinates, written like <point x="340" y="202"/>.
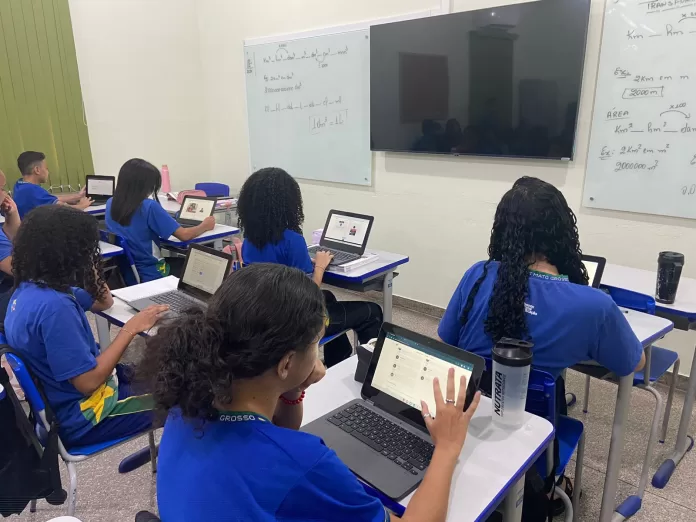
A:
<point x="617" y="349"/>
<point x="290" y="415"/>
<point x="187" y="234"/>
<point x="87" y="382"/>
<point x="321" y="263"/>
<point x="6" y="265"/>
<point x="70" y="199"/>
<point x="12" y="219"/>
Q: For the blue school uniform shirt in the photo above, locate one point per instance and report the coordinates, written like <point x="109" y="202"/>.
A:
<point x="5" y="252"/>
<point x="28" y="196"/>
<point x="150" y="224"/>
<point x="568" y="323"/>
<point x="241" y="467"/>
<point x="290" y="251"/>
<point x="50" y="329"/>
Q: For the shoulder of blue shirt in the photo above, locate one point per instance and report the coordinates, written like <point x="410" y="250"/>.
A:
<point x="47" y="299"/>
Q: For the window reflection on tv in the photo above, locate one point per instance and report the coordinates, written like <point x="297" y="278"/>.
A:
<point x="502" y="81"/>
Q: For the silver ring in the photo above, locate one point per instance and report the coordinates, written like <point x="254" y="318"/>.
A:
<point x="427" y="416"/>
<point x="449" y="401"/>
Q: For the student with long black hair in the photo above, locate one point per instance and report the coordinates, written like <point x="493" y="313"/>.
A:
<point x="533" y="286"/>
<point x="232" y="378"/>
<point x="58" y="277"/>
<point x="271" y="217"/>
<point x="136" y="214"/>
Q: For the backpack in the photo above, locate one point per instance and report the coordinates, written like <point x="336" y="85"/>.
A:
<point x="28" y="469"/>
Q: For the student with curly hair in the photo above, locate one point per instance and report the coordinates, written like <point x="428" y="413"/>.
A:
<point x="136" y="214"/>
<point x="271" y="216"/>
<point x="58" y="277"/>
<point x="232" y="378"/>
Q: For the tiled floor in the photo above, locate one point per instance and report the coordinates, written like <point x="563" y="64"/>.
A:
<point x="106" y="496"/>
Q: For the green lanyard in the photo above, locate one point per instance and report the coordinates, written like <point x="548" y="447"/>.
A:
<point x="241" y="416"/>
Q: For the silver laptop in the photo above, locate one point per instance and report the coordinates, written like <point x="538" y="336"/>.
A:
<point x="204" y="271"/>
<point x="382" y="437"/>
<point x="345" y="236"/>
<point x="99" y="188"/>
<point x="194" y="209"/>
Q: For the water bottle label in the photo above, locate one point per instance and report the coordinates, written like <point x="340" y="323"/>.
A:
<point x="499" y="394"/>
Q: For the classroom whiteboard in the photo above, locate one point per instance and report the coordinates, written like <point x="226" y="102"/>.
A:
<point x="308" y="103"/>
<point x="642" y="154"/>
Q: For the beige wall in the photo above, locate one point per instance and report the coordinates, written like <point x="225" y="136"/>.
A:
<point x="438" y="210"/>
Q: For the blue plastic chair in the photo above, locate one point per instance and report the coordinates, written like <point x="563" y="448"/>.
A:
<point x="569" y="432"/>
<point x="658" y="362"/>
<point x="115" y="239"/>
<point x="74" y="454"/>
<point x="214" y="190"/>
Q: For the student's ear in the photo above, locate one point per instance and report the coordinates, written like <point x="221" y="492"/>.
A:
<point x="285" y="365"/>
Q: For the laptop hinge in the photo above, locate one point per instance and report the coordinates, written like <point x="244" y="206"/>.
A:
<point x="368" y="401"/>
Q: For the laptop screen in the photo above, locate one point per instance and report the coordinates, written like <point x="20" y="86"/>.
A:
<point x="347" y="229"/>
<point x="406" y="369"/>
<point x="591" y="267"/>
<point x="204" y="271"/>
<point x="196" y="209"/>
<point x="100" y="187"/>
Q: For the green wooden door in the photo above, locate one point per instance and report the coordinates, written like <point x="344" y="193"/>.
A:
<point x="40" y="97"/>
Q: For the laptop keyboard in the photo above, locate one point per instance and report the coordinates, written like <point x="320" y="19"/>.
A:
<point x="340" y="258"/>
<point x="176" y="300"/>
<point x="391" y="440"/>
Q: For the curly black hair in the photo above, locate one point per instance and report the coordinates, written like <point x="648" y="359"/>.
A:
<point x="269" y="203"/>
<point x="532" y="221"/>
<point x="257" y="316"/>
<point x="58" y="247"/>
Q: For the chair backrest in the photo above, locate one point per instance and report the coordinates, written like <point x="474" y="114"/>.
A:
<point x="214" y="190"/>
<point x="632" y="300"/>
<point x="31" y="393"/>
<point x="116" y="239"/>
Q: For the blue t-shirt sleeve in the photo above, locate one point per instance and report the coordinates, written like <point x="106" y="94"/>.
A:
<point x="83" y="297"/>
<point x="617" y="349"/>
<point x="329" y="491"/>
<point x="159" y="221"/>
<point x="297" y="253"/>
<point x="5" y="246"/>
<point x="41" y="196"/>
<point x="68" y="347"/>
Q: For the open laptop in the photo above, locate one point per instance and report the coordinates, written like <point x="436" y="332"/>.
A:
<point x="595" y="269"/>
<point x="99" y="188"/>
<point x="382" y="437"/>
<point x="204" y="271"/>
<point x="194" y="209"/>
<point x="345" y="236"/>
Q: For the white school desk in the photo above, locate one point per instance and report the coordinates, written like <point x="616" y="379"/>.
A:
<point x="491" y="466"/>
<point x="108" y="250"/>
<point x="96" y="210"/>
<point x="212" y="236"/>
<point x="378" y="275"/>
<point x="683" y="313"/>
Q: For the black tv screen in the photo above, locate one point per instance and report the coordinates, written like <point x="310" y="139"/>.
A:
<point x="502" y="81"/>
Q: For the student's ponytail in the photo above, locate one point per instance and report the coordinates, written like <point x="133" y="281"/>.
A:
<point x="258" y="315"/>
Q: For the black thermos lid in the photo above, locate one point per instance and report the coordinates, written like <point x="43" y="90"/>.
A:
<point x="670" y="257"/>
<point x="513" y="352"/>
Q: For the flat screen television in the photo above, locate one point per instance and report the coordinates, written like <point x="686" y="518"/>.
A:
<point x="502" y="81"/>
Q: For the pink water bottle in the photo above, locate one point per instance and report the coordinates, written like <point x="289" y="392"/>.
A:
<point x="166" y="184"/>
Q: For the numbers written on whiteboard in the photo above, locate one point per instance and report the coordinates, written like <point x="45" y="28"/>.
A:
<point x="688" y="190"/>
<point x="636" y="166"/>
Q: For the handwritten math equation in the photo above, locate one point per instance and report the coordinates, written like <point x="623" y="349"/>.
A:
<point x="320" y="56"/>
<point x="303" y="105"/>
<point x="320" y="123"/>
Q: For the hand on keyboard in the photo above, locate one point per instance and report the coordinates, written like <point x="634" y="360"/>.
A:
<point x="322" y="259"/>
<point x="143" y="321"/>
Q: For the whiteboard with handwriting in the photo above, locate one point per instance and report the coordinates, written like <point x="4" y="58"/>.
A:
<point x="642" y="155"/>
<point x="309" y="108"/>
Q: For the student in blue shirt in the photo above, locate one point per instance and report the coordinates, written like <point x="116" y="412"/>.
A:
<point x="271" y="216"/>
<point x="232" y="379"/>
<point x="58" y="277"/>
<point x="28" y="192"/>
<point x="8" y="208"/>
<point x="136" y="214"/>
<point x="534" y="287"/>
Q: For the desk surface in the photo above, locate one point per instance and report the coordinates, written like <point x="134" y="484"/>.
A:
<point x="96" y="209"/>
<point x="385" y="261"/>
<point x="648" y="328"/>
<point x="219" y="232"/>
<point x="492" y="459"/>
<point x="644" y="281"/>
<point x="109" y="250"/>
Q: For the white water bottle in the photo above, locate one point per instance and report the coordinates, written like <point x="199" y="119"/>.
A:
<point x="512" y="361"/>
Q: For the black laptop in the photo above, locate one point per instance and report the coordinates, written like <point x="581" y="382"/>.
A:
<point x="595" y="268"/>
<point x="99" y="188"/>
<point x="382" y="437"/>
<point x="194" y="209"/>
<point x="345" y="236"/>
